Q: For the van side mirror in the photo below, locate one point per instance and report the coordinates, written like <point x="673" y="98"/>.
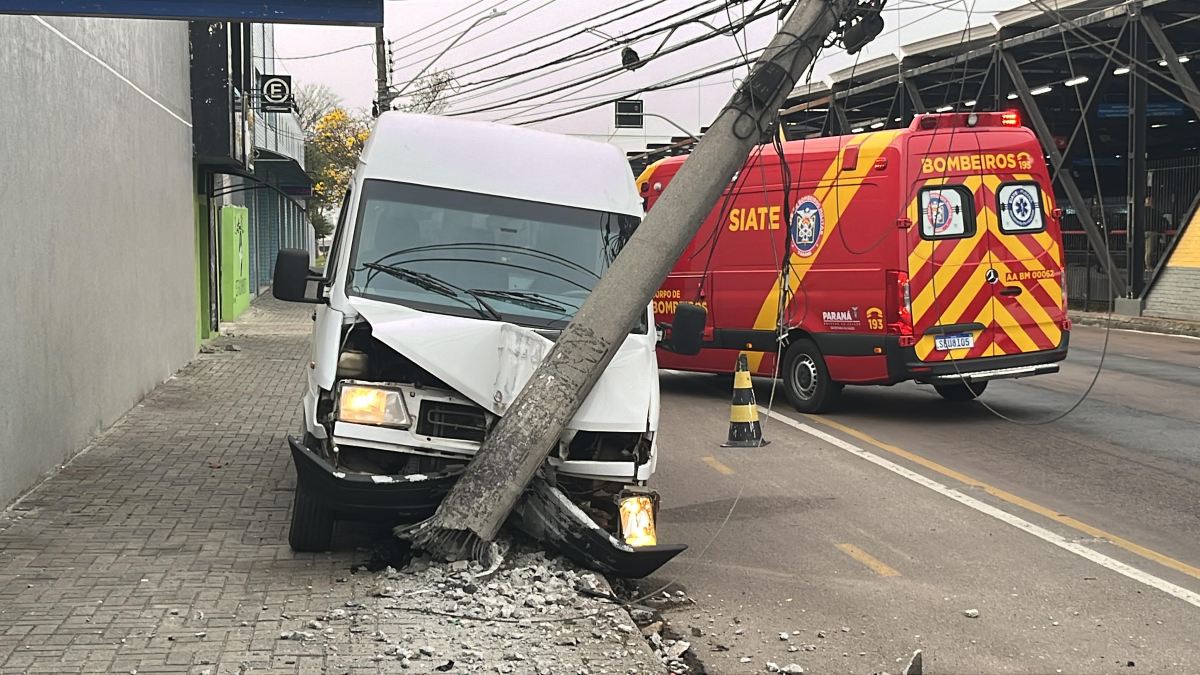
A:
<point x="687" y="329"/>
<point x="294" y="281"/>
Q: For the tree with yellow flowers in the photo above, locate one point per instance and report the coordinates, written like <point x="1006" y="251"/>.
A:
<point x="331" y="153"/>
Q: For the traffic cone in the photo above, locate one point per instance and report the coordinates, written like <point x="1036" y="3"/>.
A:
<point x="744" y="428"/>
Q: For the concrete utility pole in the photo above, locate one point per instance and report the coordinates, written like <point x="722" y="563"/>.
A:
<point x="476" y="507"/>
<point x="383" y="96"/>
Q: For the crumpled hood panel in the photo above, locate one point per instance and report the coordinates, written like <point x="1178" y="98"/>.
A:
<point x="490" y="362"/>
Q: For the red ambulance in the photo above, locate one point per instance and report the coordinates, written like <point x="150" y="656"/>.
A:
<point x="931" y="253"/>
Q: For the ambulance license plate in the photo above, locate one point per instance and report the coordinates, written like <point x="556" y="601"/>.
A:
<point x="945" y="343"/>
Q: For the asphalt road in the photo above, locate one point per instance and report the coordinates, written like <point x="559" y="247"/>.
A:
<point x="868" y="533"/>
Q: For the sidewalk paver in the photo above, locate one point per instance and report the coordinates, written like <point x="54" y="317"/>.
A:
<point x="163" y="547"/>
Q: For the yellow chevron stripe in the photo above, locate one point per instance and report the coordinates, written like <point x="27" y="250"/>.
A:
<point x="924" y="302"/>
<point x="1053" y="287"/>
<point x="870" y="147"/>
<point x="925" y="345"/>
<point x="1036" y="312"/>
<point x="1008" y="323"/>
<point x="942" y="276"/>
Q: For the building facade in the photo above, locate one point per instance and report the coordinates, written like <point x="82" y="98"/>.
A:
<point x="132" y="231"/>
<point x="98" y="288"/>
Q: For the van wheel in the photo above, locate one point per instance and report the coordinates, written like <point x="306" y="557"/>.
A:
<point x="806" y="379"/>
<point x="961" y="391"/>
<point x="312" y="523"/>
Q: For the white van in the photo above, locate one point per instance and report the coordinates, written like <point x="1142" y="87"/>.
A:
<point x="462" y="250"/>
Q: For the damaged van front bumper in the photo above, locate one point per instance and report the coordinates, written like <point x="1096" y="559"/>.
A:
<point x="544" y="512"/>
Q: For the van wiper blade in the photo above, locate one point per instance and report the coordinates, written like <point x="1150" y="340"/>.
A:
<point x="432" y="283"/>
<point x="523" y="298"/>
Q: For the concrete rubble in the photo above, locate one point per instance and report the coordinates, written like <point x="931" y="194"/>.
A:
<point x="535" y="614"/>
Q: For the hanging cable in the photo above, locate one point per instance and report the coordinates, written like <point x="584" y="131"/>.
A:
<point x="669" y="50"/>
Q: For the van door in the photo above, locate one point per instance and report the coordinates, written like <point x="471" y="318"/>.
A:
<point x="949" y="283"/>
<point x="1027" y="259"/>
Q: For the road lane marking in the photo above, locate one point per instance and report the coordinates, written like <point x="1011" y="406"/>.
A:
<point x="718" y="466"/>
<point x="875" y="564"/>
<point x="1091" y="531"/>
<point x="1042" y="533"/>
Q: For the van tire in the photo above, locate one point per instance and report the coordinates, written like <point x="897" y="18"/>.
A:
<point x="961" y="392"/>
<point x="806" y="379"/>
<point x="312" y="523"/>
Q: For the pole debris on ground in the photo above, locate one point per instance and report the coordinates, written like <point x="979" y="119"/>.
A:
<point x="474" y="510"/>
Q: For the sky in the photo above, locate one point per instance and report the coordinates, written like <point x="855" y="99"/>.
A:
<point x="487" y="53"/>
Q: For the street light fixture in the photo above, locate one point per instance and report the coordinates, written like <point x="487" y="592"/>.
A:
<point x="491" y="15"/>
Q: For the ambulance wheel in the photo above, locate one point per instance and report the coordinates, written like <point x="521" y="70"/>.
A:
<point x="806" y="379"/>
<point x="961" y="391"/>
<point x="312" y="523"/>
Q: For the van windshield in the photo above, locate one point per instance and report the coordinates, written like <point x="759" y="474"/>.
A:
<point x="484" y="256"/>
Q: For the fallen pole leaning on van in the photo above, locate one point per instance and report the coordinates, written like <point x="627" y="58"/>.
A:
<point x="471" y="515"/>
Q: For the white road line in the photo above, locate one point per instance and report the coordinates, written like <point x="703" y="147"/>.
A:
<point x="1150" y="332"/>
<point x="112" y="70"/>
<point x="999" y="514"/>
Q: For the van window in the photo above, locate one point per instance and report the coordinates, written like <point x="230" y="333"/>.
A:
<point x="339" y="234"/>
<point x="1020" y="208"/>
<point x="947" y="212"/>
<point x="533" y="263"/>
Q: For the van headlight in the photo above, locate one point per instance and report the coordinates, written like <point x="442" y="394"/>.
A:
<point x="361" y="403"/>
<point x="638" y="512"/>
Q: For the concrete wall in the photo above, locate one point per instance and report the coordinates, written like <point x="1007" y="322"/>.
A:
<point x="97" y="251"/>
<point x="1176" y="294"/>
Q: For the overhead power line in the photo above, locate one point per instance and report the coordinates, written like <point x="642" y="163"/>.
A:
<point x="735" y="62"/>
<point x="750" y="18"/>
<point x="317" y="56"/>
<point x="654" y="87"/>
<point x="428" y="48"/>
<point x="449" y="28"/>
<point x="579" y="56"/>
<point x="652" y="4"/>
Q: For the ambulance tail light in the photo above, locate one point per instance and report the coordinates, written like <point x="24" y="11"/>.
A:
<point x="899" y="308"/>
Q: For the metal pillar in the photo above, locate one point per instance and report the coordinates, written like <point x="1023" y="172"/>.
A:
<point x="839" y="117"/>
<point x="1178" y="71"/>
<point x="914" y="95"/>
<point x="1095" y="236"/>
<point x="1138" y="99"/>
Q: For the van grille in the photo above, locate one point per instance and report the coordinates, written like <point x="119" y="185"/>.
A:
<point x="451" y="420"/>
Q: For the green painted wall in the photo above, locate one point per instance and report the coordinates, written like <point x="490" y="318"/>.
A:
<point x="202" y="330"/>
<point x="235" y="261"/>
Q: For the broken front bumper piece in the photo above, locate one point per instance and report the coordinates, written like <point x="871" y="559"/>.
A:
<point x="544" y="512"/>
<point x="359" y="496"/>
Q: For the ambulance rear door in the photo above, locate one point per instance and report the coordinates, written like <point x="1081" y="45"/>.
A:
<point x="950" y="278"/>
<point x="1025" y="256"/>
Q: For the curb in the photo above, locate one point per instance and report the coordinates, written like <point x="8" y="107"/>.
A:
<point x="1141" y="323"/>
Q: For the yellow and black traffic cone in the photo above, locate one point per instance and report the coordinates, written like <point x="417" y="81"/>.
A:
<point x="744" y="428"/>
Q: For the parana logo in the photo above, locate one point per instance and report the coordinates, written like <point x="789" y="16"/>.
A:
<point x="840" y="316"/>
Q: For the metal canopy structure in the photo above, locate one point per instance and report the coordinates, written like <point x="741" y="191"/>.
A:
<point x="330" y="12"/>
<point x="1110" y="88"/>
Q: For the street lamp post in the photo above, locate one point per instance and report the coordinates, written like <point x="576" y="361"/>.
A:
<point x="491" y="15"/>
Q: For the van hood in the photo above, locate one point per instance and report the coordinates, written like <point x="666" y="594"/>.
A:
<point x="489" y="362"/>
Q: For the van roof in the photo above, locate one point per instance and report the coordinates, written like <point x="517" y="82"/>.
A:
<point x="500" y="159"/>
<point x="926" y="123"/>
